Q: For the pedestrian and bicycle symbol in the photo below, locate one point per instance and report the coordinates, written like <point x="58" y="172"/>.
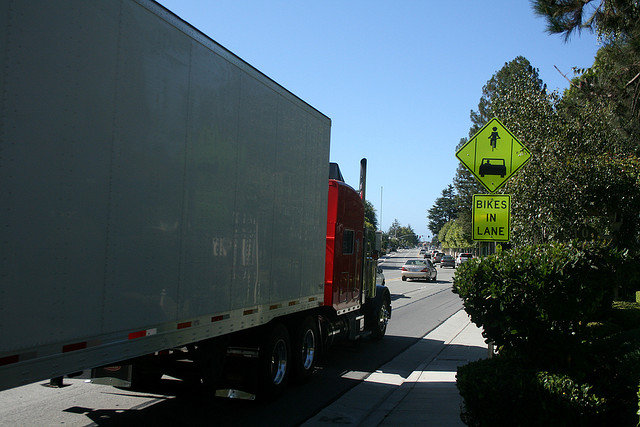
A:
<point x="493" y="155"/>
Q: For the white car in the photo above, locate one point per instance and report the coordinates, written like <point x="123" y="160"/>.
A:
<point x="463" y="257"/>
<point x="419" y="269"/>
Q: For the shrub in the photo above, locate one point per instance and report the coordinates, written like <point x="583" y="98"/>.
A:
<point x="541" y="296"/>
<point x="568" y="396"/>
<point x="615" y="369"/>
<point x="506" y="391"/>
<point x="626" y="314"/>
<point x="627" y="276"/>
<point x="492" y="389"/>
<point x="569" y="354"/>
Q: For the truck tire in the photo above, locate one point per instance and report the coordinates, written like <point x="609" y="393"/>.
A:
<point x="382" y="316"/>
<point x="275" y="362"/>
<point x="305" y="348"/>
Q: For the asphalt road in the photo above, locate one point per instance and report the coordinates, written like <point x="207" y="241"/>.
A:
<point x="417" y="308"/>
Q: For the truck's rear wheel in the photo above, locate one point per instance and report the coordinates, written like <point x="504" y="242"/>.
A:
<point x="275" y="358"/>
<point x="306" y="342"/>
<point x="382" y="316"/>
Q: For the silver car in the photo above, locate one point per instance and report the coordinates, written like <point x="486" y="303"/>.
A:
<point x="447" y="261"/>
<point x="463" y="257"/>
<point x="419" y="269"/>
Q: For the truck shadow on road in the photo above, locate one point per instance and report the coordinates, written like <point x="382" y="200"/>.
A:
<point x="343" y="367"/>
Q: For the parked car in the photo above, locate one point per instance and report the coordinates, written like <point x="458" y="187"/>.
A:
<point x="419" y="269"/>
<point x="448" y="261"/>
<point x="463" y="257"/>
<point x="437" y="257"/>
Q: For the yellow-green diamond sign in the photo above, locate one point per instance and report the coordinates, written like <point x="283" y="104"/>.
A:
<point x="493" y="155"/>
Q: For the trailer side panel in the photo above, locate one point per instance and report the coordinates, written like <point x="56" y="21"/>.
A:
<point x="156" y="189"/>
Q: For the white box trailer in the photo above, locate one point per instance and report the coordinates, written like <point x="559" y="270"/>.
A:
<point x="160" y="194"/>
<point x="157" y="191"/>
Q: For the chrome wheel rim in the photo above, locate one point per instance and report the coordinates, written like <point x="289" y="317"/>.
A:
<point x="308" y="349"/>
<point x="278" y="362"/>
<point x="383" y="319"/>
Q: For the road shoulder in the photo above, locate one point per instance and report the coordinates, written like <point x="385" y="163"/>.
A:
<point x="417" y="386"/>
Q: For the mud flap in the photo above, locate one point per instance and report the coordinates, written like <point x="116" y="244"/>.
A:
<point x="113" y="375"/>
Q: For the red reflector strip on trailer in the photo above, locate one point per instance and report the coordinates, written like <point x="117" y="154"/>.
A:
<point x="73" y="347"/>
<point x="9" y="359"/>
<point x="292" y="303"/>
<point x="312" y="299"/>
<point x="274" y="307"/>
<point x="140" y="334"/>
<point x="253" y="310"/>
<point x="184" y="325"/>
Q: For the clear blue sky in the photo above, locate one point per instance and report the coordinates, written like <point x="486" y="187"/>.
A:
<point x="397" y="78"/>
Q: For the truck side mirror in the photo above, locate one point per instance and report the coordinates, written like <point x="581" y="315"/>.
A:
<point x="378" y="241"/>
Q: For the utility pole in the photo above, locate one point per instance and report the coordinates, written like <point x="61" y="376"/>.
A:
<point x="380" y="208"/>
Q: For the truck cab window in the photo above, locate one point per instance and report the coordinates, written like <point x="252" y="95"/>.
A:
<point x="347" y="242"/>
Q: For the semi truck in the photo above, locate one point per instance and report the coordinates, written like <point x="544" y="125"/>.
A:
<point x="168" y="209"/>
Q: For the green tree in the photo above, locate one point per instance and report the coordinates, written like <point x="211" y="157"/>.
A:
<point x="512" y="74"/>
<point x="394" y="229"/>
<point x="517" y="72"/>
<point x="612" y="19"/>
<point x="401" y="236"/>
<point x="444" y="209"/>
<point x="442" y="234"/>
<point x="600" y="112"/>
<point x="370" y="218"/>
<point x="580" y="177"/>
<point x="615" y="74"/>
<point x="454" y="235"/>
<point x="407" y="236"/>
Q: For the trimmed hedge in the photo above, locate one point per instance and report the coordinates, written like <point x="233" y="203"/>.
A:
<point x="538" y="296"/>
<point x="506" y="391"/>
<point x="569" y="355"/>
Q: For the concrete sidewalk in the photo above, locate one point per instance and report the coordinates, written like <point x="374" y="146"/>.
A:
<point x="418" y="387"/>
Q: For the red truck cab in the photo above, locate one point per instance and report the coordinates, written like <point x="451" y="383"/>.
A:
<point x="345" y="234"/>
